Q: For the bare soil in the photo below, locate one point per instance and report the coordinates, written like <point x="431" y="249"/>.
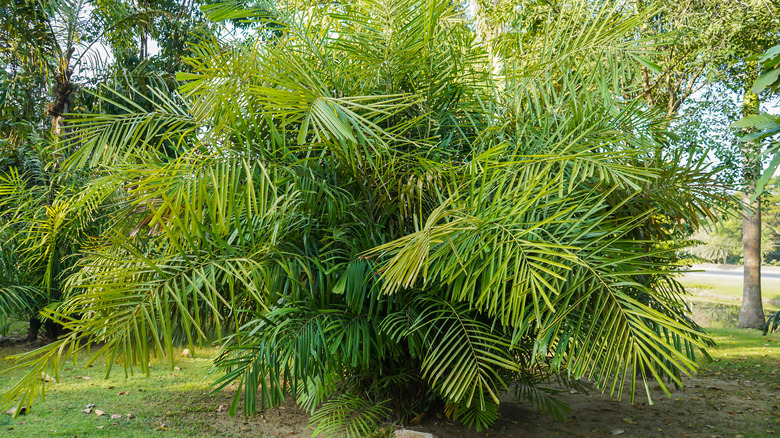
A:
<point x="705" y="407"/>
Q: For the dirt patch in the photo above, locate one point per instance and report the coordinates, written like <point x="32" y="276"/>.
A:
<point x="705" y="407"/>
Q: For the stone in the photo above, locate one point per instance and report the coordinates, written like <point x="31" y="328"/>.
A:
<point x="406" y="433"/>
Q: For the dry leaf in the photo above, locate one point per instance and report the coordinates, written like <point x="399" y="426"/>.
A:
<point x="222" y="408"/>
<point x="99" y="413"/>
<point x="177" y="369"/>
<point x="130" y="415"/>
<point x="99" y="427"/>
<point x="90" y="405"/>
<point x="87" y="411"/>
<point x="115" y="416"/>
<point x="186" y="352"/>
<point x="122" y="393"/>
<point x="618" y="432"/>
<point x="12" y="411"/>
<point x="417" y="420"/>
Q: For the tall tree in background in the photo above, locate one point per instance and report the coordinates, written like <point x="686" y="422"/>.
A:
<point x="758" y="34"/>
<point x="759" y="128"/>
<point x="709" y="46"/>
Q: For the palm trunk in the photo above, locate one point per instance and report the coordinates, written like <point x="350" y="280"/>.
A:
<point x="63" y="89"/>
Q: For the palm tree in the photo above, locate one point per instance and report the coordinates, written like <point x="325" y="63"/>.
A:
<point x="368" y="220"/>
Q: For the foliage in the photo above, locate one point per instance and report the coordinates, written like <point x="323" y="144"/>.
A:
<point x="772" y="323"/>
<point x="370" y="220"/>
<point x="765" y="126"/>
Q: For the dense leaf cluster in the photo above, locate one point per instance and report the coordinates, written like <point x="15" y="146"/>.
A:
<point x="372" y="214"/>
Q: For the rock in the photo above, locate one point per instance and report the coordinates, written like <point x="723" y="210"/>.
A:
<point x="406" y="433"/>
<point x="47" y="378"/>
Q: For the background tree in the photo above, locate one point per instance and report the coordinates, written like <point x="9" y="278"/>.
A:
<point x="54" y="55"/>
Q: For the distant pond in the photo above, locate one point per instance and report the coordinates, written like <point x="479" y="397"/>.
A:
<point x="716" y="315"/>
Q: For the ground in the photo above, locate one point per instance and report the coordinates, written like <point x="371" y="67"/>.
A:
<point x="737" y="393"/>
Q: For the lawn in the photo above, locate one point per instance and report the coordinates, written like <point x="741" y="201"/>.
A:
<point x="175" y="401"/>
<point x="728" y="290"/>
<point x="738" y="392"/>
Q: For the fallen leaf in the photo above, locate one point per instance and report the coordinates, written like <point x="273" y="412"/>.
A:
<point x="618" y="432"/>
<point x="122" y="393"/>
<point x="87" y="411"/>
<point x="417" y="420"/>
<point x="90" y="405"/>
<point x="115" y="416"/>
<point x="12" y="411"/>
<point x="99" y="413"/>
<point x="629" y="420"/>
<point x="222" y="408"/>
<point x="186" y="352"/>
<point x="177" y="368"/>
<point x="99" y="427"/>
<point x="130" y="415"/>
<point x="84" y="377"/>
<point x="111" y="387"/>
<point x="162" y="426"/>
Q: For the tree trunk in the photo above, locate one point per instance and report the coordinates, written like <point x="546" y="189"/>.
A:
<point x="63" y="90"/>
<point x="751" y="315"/>
<point x="35" y="327"/>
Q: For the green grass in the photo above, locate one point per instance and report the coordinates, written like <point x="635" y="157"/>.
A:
<point x="728" y="290"/>
<point x="176" y="402"/>
<point x="744" y="354"/>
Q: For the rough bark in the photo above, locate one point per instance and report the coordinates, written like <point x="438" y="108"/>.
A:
<point x="751" y="314"/>
<point x="63" y="89"/>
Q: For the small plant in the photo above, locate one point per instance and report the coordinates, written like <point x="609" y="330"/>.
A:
<point x="772" y="323"/>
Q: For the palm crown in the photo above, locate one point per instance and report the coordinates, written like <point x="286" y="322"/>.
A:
<point x="370" y="217"/>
